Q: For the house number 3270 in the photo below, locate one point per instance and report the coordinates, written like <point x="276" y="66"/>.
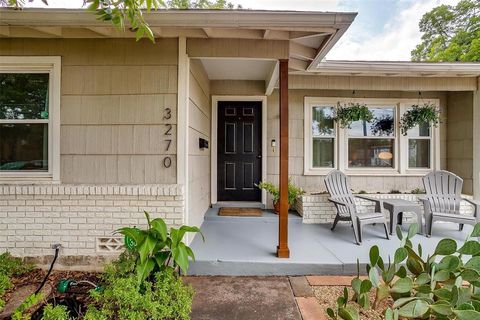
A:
<point x="167" y="115"/>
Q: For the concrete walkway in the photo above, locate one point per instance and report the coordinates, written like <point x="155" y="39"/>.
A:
<point x="246" y="246"/>
<point x="259" y="298"/>
<point x="243" y="298"/>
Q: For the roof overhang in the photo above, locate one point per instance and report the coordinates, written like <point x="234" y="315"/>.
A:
<point x="396" y="69"/>
<point x="310" y="34"/>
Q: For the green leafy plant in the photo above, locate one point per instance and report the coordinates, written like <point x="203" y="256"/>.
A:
<point x="444" y="285"/>
<point x="23" y="310"/>
<point x="293" y="191"/>
<point x="10" y="266"/>
<point x="426" y="114"/>
<point x="346" y="114"/>
<point x="394" y="191"/>
<point x="157" y="248"/>
<point x="58" y="312"/>
<point x="343" y="310"/>
<point x="5" y="284"/>
<point x="418" y="191"/>
<point x="165" y="297"/>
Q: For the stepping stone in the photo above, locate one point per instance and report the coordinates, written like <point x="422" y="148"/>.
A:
<point x="310" y="309"/>
<point x="301" y="287"/>
<point x="331" y="280"/>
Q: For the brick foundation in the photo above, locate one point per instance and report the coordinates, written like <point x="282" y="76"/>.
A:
<point x="82" y="218"/>
<point x="316" y="208"/>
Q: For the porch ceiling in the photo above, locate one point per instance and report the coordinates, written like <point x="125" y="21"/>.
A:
<point x="238" y="69"/>
<point x="311" y="34"/>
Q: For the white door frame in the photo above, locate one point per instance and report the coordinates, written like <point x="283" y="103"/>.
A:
<point x="214" y="141"/>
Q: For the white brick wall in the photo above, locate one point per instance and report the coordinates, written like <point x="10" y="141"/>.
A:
<point x="80" y="217"/>
<point x="317" y="209"/>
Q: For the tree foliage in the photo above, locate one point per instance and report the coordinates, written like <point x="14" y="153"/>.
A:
<point x="123" y="13"/>
<point x="450" y="33"/>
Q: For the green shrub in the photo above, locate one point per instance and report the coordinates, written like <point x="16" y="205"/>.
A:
<point x="21" y="313"/>
<point x="4" y="286"/>
<point x="124" y="298"/>
<point x="418" y="191"/>
<point x="12" y="266"/>
<point x="440" y="286"/>
<point x="58" y="312"/>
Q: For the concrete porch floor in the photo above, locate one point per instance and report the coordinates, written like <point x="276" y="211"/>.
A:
<point x="244" y="246"/>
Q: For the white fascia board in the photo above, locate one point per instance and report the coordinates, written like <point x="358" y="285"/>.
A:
<point x="400" y="67"/>
<point x="282" y="20"/>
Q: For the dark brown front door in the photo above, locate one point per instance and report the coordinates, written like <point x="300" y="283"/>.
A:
<point x="239" y="151"/>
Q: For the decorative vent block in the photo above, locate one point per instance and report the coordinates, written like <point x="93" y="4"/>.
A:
<point x="110" y="244"/>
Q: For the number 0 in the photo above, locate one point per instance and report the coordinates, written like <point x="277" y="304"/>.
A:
<point x="167" y="162"/>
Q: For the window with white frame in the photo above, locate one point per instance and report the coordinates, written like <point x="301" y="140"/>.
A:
<point x="29" y="126"/>
<point x="372" y="144"/>
<point x="323" y="137"/>
<point x="375" y="146"/>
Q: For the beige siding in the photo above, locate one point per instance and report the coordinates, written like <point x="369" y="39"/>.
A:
<point x="460" y="137"/>
<point x="199" y="114"/>
<point x="238" y="48"/>
<point x="296" y="133"/>
<point x="113" y="98"/>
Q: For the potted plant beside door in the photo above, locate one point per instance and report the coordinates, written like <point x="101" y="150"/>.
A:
<point x="293" y="193"/>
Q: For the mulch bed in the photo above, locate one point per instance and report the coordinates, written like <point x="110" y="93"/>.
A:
<point x="36" y="276"/>
<point x="327" y="298"/>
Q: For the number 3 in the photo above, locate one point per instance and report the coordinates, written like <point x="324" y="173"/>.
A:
<point x="168" y="114"/>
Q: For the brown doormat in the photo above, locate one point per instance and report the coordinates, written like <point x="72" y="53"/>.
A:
<point x="240" y="212"/>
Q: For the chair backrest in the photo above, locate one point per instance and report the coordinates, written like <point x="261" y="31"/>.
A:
<point x="444" y="191"/>
<point x="338" y="187"/>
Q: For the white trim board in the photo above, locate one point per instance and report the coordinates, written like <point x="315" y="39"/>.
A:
<point x="214" y="142"/>
<point x="44" y="64"/>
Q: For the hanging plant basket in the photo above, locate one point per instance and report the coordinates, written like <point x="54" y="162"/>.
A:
<point x="351" y="112"/>
<point x="426" y="113"/>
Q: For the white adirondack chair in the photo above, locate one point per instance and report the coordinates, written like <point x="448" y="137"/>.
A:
<point x="442" y="201"/>
<point x="341" y="195"/>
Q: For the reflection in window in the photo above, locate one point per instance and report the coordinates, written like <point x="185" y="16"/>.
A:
<point x="24" y="95"/>
<point x="419" y="153"/>
<point x="419" y="147"/>
<point x="382" y="124"/>
<point x="323" y="135"/>
<point x="371" y="144"/>
<point x="365" y="153"/>
<point x="24" y="147"/>
<point x="24" y="129"/>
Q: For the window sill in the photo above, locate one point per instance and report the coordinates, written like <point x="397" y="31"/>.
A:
<point x="375" y="173"/>
<point x="27" y="178"/>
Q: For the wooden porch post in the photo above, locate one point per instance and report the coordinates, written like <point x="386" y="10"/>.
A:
<point x="282" y="248"/>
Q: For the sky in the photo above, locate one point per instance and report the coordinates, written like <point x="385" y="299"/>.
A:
<point x="383" y="29"/>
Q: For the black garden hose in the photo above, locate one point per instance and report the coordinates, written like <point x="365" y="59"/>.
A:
<point x="57" y="249"/>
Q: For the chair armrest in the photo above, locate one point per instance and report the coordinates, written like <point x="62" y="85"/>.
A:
<point x="475" y="204"/>
<point x="338" y="201"/>
<point x="368" y="198"/>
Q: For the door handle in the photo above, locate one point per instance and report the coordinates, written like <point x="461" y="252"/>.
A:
<point x="259" y="156"/>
